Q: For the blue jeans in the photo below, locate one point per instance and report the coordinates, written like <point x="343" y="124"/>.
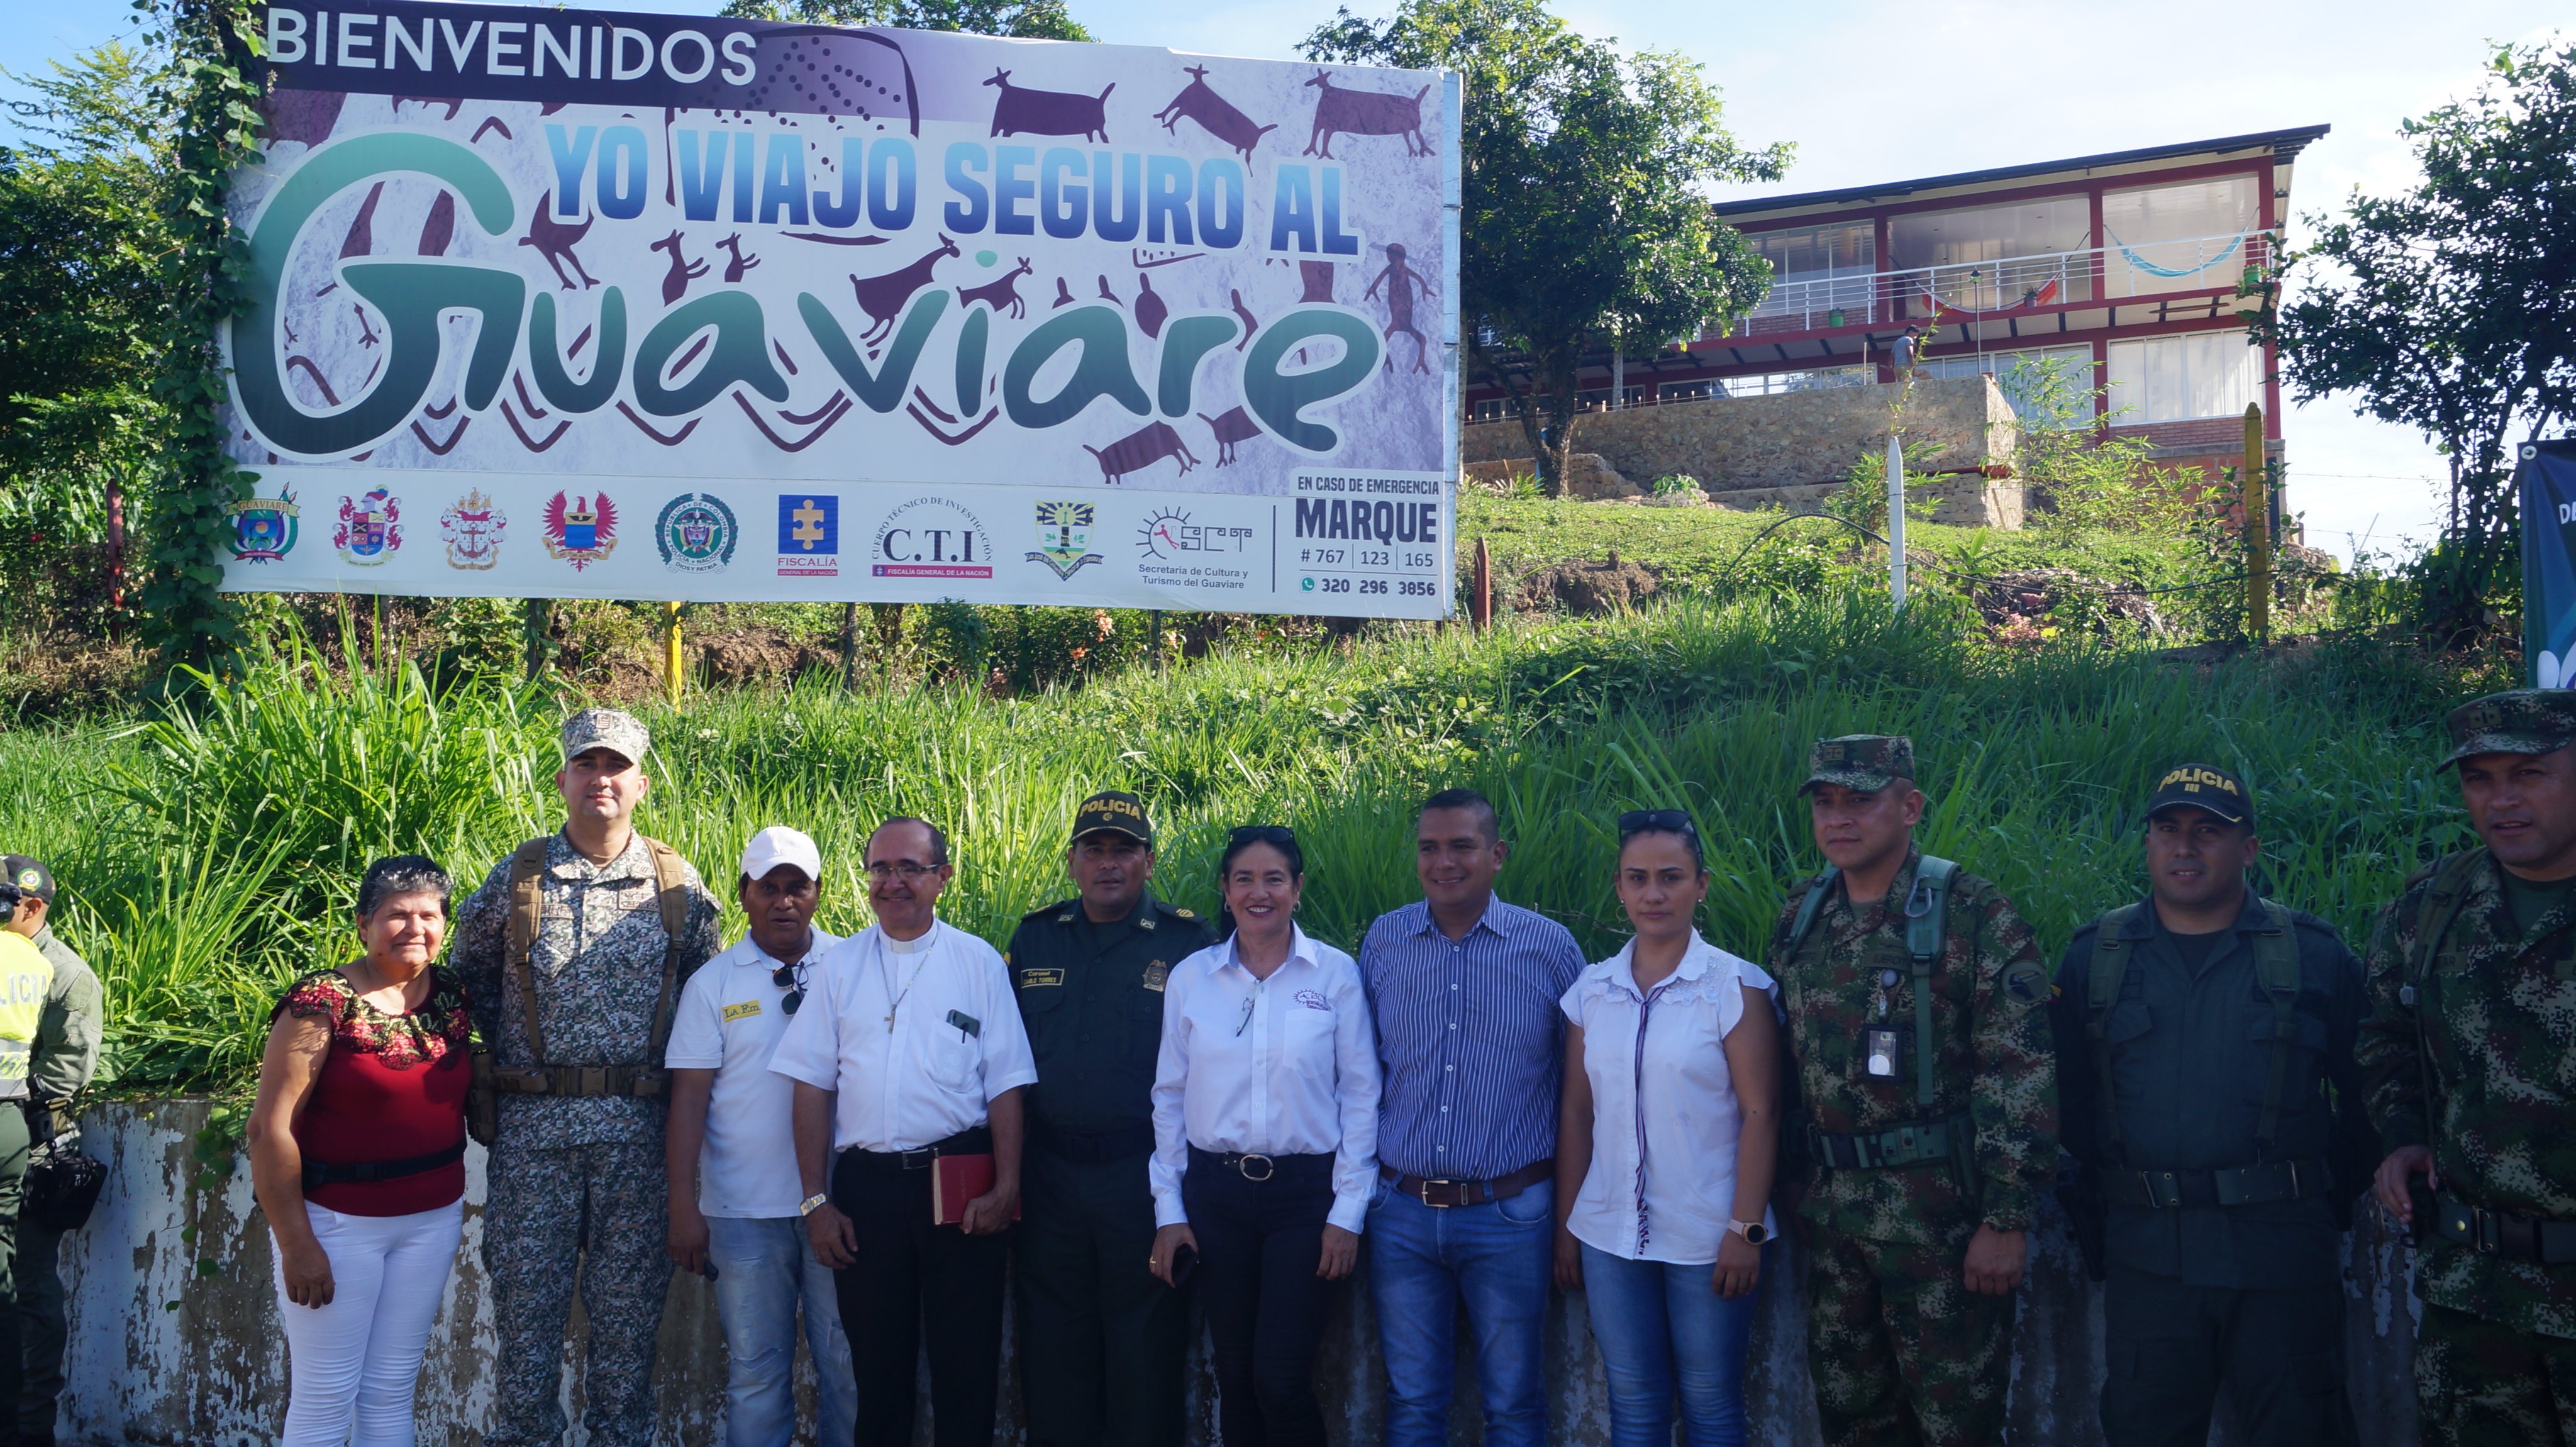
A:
<point x="1663" y="1331"/>
<point x="765" y="1268"/>
<point x="1422" y="1260"/>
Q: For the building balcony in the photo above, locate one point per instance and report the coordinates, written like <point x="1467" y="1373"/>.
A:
<point x="1816" y="318"/>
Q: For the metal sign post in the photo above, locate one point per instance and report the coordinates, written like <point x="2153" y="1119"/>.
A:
<point x="1896" y="523"/>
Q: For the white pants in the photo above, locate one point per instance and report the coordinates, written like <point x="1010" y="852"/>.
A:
<point x="356" y="1362"/>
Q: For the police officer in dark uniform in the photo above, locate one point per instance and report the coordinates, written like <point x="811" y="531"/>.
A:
<point x="2198" y="1032"/>
<point x="1101" y="1341"/>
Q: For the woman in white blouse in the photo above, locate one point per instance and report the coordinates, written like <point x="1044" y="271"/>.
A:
<point x="1265" y="1139"/>
<point x="1663" y="1191"/>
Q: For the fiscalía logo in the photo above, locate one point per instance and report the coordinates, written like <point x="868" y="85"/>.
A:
<point x="471" y="529"/>
<point x="370" y="528"/>
<point x="264" y="528"/>
<point x="1064" y="537"/>
<point x="580" y="529"/>
<point x="809" y="535"/>
<point x="1169" y="533"/>
<point x="696" y="533"/>
<point x="931" y="537"/>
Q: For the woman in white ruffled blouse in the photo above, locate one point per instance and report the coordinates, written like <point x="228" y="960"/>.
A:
<point x="1663" y="1192"/>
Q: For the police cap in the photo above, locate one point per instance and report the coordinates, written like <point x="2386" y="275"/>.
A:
<point x="1117" y="812"/>
<point x="2198" y="786"/>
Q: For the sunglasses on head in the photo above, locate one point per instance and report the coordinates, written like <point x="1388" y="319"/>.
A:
<point x="1261" y="834"/>
<point x="1639" y="820"/>
<point x="791" y="979"/>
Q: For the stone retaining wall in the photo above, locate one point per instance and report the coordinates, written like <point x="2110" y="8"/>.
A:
<point x="210" y="1371"/>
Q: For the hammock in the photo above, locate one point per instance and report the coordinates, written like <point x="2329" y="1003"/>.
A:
<point x="2151" y="269"/>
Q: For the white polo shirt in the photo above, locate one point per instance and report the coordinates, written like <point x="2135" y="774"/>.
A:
<point x="954" y="1041"/>
<point x="1664" y="1115"/>
<point x="1285" y="1066"/>
<point x="729" y="1020"/>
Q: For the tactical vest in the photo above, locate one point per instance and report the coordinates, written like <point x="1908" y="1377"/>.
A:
<point x="1927" y="926"/>
<point x="25" y="977"/>
<point x="2276" y="969"/>
<point x="2433" y="920"/>
<point x="646" y="1081"/>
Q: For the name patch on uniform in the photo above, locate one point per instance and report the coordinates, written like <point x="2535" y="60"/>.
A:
<point x="1029" y="979"/>
<point x="741" y="1010"/>
<point x="1156" y="974"/>
<point x="1313" y="1001"/>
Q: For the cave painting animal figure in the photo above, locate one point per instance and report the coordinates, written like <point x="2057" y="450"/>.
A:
<point x="1063" y="295"/>
<point x="1235" y="426"/>
<point x="1106" y="294"/>
<point x="883" y="298"/>
<point x="675" y="282"/>
<point x="1049" y="112"/>
<point x="732" y="246"/>
<point x="1318" y="278"/>
<point x="1365" y="113"/>
<point x="361" y="239"/>
<point x="1214" y="112"/>
<point x="440" y="228"/>
<point x="1151" y="309"/>
<point x="1141" y="449"/>
<point x="1001" y="293"/>
<point x="1244" y="315"/>
<point x="1400" y="281"/>
<point x="555" y="241"/>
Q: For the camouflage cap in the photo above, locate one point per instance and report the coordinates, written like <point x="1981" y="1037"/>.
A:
<point x="2517" y="721"/>
<point x="1860" y="761"/>
<point x="605" y="728"/>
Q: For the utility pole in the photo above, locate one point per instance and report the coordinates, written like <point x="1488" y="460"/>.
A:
<point x="671" y="675"/>
<point x="1895" y="523"/>
<point x="2258" y="529"/>
<point x="1480" y="599"/>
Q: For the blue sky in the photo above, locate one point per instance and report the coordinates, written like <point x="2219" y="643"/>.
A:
<point x="1876" y="90"/>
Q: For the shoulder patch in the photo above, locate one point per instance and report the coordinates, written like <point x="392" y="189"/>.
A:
<point x="2026" y="983"/>
<point x="1183" y="913"/>
<point x="1035" y="979"/>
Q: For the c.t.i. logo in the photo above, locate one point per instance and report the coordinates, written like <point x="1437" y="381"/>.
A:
<point x="580" y="528"/>
<point x="809" y="535"/>
<point x="472" y="529"/>
<point x="696" y="533"/>
<point x="369" y="529"/>
<point x="264" y="528"/>
<point x="1064" y="537"/>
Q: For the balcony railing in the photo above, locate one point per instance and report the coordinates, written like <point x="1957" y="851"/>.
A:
<point x="1970" y="290"/>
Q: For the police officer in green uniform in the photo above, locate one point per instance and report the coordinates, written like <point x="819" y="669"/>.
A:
<point x="1101" y="1341"/>
<point x="2198" y="1032"/>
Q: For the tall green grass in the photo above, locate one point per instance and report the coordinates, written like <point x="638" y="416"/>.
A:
<point x="209" y="853"/>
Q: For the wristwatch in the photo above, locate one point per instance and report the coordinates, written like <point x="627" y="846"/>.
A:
<point x="1753" y="1232"/>
<point x="811" y="1203"/>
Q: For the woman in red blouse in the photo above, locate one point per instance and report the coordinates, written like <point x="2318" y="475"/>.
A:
<point x="357" y="1148"/>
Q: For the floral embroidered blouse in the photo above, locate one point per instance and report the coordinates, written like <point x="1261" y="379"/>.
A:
<point x="392" y="1089"/>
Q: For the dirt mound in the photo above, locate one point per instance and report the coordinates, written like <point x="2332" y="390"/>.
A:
<point x="733" y="659"/>
<point x="1585" y="588"/>
<point x="2024" y="598"/>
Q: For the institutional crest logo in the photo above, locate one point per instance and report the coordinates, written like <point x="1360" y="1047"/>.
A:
<point x="370" y="528"/>
<point x="471" y="528"/>
<point x="809" y="535"/>
<point x="1170" y="532"/>
<point x="932" y="537"/>
<point x="1064" y="537"/>
<point x="696" y="533"/>
<point x="264" y="528"/>
<point x="580" y="529"/>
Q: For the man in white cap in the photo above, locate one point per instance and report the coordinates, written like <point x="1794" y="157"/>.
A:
<point x="572" y="955"/>
<point x="732" y="1154"/>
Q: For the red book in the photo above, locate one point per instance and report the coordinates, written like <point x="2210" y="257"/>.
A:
<point x="957" y="1180"/>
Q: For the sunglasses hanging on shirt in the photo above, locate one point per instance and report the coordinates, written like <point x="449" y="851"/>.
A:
<point x="790" y="978"/>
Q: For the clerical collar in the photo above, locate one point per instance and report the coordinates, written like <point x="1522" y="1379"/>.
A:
<point x="911" y="947"/>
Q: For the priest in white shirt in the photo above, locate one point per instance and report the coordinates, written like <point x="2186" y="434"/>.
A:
<point x="1265" y="1139"/>
<point x="910" y="1049"/>
<point x="731" y="1155"/>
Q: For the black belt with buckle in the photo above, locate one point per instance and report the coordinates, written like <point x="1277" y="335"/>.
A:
<point x="964" y="1143"/>
<point x="2234" y="1186"/>
<point x="1443" y="1193"/>
<point x="1256" y="1167"/>
<point x="2502" y="1233"/>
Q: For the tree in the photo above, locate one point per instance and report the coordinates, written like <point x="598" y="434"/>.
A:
<point x="2451" y="308"/>
<point x="1584" y="215"/>
<point x="1019" y="19"/>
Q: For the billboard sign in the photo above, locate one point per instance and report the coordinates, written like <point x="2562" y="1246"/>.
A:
<point x="557" y="303"/>
<point x="2547" y="477"/>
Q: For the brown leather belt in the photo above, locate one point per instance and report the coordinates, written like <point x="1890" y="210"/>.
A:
<point x="1444" y="1193"/>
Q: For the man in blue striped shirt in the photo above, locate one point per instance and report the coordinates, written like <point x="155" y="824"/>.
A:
<point x="1464" y="988"/>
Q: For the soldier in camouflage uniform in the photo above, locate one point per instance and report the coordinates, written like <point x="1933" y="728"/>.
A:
<point x="1922" y="1174"/>
<point x="575" y="1174"/>
<point x="2470" y="1055"/>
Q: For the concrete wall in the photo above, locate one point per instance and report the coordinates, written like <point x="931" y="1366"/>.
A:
<point x="1786" y="440"/>
<point x="212" y="1372"/>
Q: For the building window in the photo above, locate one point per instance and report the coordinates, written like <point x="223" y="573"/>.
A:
<point x="2016" y="374"/>
<point x="2166" y="239"/>
<point x="1815" y="379"/>
<point x="2170" y="379"/>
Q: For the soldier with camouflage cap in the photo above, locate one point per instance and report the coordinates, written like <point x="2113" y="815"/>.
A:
<point x="573" y="953"/>
<point x="1928" y="1094"/>
<point x="2472" y="980"/>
